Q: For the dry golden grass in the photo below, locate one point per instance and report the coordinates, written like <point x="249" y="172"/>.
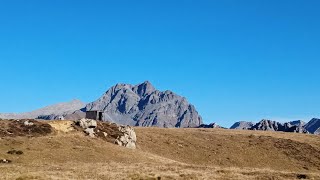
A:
<point x="163" y="154"/>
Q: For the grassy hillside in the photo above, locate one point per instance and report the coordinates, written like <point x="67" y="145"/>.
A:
<point x="163" y="154"/>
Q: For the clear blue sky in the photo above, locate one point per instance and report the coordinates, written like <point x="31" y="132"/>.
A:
<point x="234" y="60"/>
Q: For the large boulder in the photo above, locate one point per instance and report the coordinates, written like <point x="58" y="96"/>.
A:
<point x="87" y="123"/>
<point x="128" y="139"/>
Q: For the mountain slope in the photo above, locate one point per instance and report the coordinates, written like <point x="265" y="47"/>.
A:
<point x="313" y="126"/>
<point x="143" y="105"/>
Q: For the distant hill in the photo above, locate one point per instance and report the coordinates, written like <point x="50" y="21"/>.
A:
<point x="53" y="110"/>
<point x="242" y="125"/>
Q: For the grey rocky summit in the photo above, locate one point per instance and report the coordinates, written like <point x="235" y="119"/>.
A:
<point x="268" y="125"/>
<point x="143" y="105"/>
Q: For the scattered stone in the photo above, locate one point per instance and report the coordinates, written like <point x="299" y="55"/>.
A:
<point x="90" y="132"/>
<point x="15" y="152"/>
<point x="302" y="176"/>
<point x="105" y="134"/>
<point x="5" y="161"/>
<point x="27" y="123"/>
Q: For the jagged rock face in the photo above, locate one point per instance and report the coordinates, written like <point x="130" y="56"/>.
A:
<point x="295" y="126"/>
<point x="268" y="125"/>
<point x="143" y="105"/>
<point x="242" y="125"/>
<point x="313" y="126"/>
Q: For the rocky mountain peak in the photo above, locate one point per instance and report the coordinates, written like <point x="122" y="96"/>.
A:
<point x="144" y="105"/>
<point x="144" y="89"/>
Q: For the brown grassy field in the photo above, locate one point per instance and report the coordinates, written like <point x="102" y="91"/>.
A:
<point x="163" y="154"/>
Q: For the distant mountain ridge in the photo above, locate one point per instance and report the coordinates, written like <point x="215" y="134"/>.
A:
<point x="55" y="110"/>
<point x="297" y="126"/>
<point x="144" y="105"/>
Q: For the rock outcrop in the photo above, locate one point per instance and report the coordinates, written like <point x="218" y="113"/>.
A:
<point x="88" y="126"/>
<point x="121" y="135"/>
<point x="143" y="105"/>
<point x="242" y="125"/>
<point x="128" y="139"/>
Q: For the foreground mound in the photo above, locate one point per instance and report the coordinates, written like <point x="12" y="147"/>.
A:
<point x="110" y="132"/>
<point x="163" y="154"/>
